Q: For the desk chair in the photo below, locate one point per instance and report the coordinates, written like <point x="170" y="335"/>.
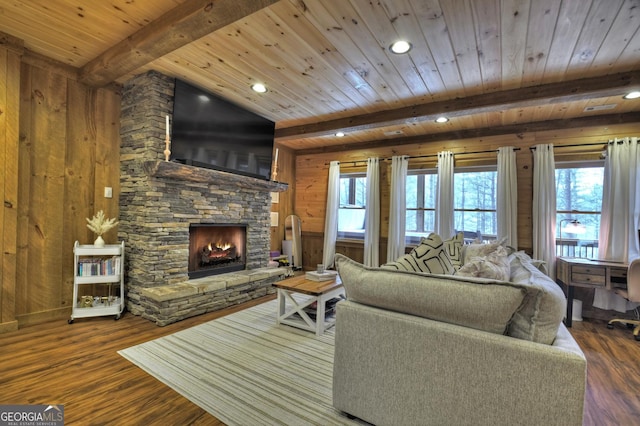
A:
<point x="632" y="294"/>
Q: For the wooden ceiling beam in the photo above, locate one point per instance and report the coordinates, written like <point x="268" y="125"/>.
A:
<point x="185" y="23"/>
<point x="518" y="130"/>
<point x="567" y="91"/>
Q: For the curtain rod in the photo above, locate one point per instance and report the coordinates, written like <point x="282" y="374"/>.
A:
<point x="533" y="148"/>
<point x="423" y="156"/>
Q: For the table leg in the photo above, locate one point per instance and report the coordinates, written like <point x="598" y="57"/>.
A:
<point x="281" y="305"/>
<point x="320" y="314"/>
<point x="570" y="290"/>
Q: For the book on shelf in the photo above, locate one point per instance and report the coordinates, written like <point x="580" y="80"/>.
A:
<point x="91" y="267"/>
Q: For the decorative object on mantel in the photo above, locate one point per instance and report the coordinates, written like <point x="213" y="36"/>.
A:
<point x="274" y="172"/>
<point x="99" y="224"/>
<point x="167" y="141"/>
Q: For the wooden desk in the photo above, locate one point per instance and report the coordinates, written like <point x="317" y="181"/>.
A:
<point x="575" y="272"/>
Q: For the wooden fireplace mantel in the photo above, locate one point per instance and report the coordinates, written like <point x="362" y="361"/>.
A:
<point x="178" y="171"/>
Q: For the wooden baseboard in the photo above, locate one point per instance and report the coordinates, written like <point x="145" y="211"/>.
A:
<point x="6" y="327"/>
<point x="44" y="316"/>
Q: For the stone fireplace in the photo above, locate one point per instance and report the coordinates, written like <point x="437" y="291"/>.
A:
<point x="216" y="249"/>
<point x="161" y="202"/>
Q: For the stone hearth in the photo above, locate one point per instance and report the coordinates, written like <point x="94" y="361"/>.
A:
<point x="159" y="201"/>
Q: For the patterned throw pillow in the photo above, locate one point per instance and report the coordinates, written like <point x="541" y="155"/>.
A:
<point x="454" y="249"/>
<point x="429" y="256"/>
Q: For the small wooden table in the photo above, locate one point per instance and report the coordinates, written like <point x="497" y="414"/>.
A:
<point x="317" y="291"/>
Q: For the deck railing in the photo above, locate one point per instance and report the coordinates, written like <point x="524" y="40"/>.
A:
<point x="569" y="247"/>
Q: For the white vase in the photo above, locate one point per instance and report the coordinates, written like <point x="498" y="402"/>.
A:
<point x="99" y="242"/>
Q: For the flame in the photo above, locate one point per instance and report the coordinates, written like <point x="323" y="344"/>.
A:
<point x="223" y="246"/>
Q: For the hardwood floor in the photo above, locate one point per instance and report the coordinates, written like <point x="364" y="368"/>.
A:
<point x="613" y="373"/>
<point x="78" y="366"/>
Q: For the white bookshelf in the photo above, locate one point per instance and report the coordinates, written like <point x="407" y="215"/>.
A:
<point x="102" y="267"/>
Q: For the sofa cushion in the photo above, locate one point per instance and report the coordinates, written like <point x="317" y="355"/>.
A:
<point x="495" y="266"/>
<point x="429" y="256"/>
<point x="480" y="304"/>
<point x="543" y="307"/>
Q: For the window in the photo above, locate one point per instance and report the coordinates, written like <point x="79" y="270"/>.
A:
<point x="421" y="204"/>
<point x="474" y="202"/>
<point x="578" y="198"/>
<point x="351" y="213"/>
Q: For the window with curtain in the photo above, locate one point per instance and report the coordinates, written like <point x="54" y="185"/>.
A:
<point x="475" y="191"/>
<point x="579" y="206"/>
<point x="351" y="213"/>
<point x="474" y="203"/>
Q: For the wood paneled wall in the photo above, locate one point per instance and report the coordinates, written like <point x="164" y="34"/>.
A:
<point x="9" y="106"/>
<point x="286" y="173"/>
<point x="312" y="174"/>
<point x="67" y="151"/>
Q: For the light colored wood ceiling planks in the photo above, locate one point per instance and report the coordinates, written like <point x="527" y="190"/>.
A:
<point x="326" y="62"/>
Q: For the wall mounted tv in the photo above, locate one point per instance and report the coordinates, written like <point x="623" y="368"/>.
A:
<point x="211" y="132"/>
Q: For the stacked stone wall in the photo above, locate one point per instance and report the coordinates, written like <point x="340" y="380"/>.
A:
<point x="155" y="212"/>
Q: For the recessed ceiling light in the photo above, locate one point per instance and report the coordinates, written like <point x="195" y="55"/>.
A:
<point x="442" y="120"/>
<point x="632" y="95"/>
<point x="259" y="87"/>
<point x="400" y="47"/>
<point x="339" y="134"/>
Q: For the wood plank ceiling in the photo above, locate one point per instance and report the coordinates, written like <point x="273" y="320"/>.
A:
<point x="492" y="66"/>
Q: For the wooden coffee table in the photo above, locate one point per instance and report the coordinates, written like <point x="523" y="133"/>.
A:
<point x="291" y="309"/>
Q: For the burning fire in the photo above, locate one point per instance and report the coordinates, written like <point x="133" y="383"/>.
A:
<point x="223" y="246"/>
<point x="220" y="246"/>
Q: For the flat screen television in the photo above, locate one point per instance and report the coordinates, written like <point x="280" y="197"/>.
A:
<point x="209" y="131"/>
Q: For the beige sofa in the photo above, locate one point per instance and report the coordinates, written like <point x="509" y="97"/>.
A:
<point x="423" y="349"/>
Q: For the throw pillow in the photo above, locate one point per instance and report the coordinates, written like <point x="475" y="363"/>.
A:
<point x="496" y="266"/>
<point x="479" y="250"/>
<point x="454" y="249"/>
<point x="544" y="306"/>
<point x="429" y="256"/>
<point x="479" y="304"/>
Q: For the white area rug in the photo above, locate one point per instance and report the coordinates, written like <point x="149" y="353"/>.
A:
<point x="246" y="370"/>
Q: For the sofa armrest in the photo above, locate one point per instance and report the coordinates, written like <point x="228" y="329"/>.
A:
<point x="394" y="368"/>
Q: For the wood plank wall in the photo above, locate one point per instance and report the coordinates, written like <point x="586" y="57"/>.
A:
<point x="68" y="150"/>
<point x="312" y="174"/>
<point x="9" y="106"/>
<point x="286" y="173"/>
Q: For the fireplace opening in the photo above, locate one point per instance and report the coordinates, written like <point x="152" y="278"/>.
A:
<point x="216" y="249"/>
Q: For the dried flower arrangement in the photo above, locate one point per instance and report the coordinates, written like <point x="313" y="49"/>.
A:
<point x="99" y="224"/>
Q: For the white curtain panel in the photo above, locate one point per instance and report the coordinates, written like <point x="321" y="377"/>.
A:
<point x="372" y="215"/>
<point x="507" y="199"/>
<point x="444" y="225"/>
<point x="619" y="224"/>
<point x="544" y="206"/>
<point x="397" y="208"/>
<point x="331" y="218"/>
